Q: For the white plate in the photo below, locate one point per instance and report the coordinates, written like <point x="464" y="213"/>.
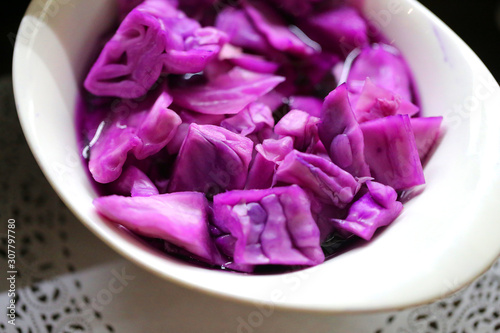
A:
<point x="444" y="239"/>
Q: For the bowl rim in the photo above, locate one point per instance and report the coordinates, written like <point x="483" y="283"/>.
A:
<point x="17" y="86"/>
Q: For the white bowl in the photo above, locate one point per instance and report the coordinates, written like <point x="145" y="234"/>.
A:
<point x="445" y="238"/>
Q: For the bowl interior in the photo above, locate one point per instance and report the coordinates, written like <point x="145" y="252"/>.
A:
<point x="445" y="237"/>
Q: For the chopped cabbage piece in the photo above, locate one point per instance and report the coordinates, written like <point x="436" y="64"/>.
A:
<point x="269" y="155"/>
<point x="327" y="181"/>
<point x="247" y="61"/>
<point x="339" y="29"/>
<point x="391" y="152"/>
<point x="179" y="218"/>
<point x="301" y="126"/>
<point x="272" y="226"/>
<point x="244" y="34"/>
<point x="253" y="119"/>
<point x="375" y="209"/>
<point x="229" y="93"/>
<point x="426" y="131"/>
<point x="135" y="183"/>
<point x="189" y="117"/>
<point x="211" y="160"/>
<point x="375" y="102"/>
<point x="385" y="67"/>
<point x="142" y="128"/>
<point x="309" y="104"/>
<point x="275" y="29"/>
<point x="341" y="135"/>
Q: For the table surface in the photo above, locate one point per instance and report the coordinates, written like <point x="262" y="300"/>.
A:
<point x="69" y="281"/>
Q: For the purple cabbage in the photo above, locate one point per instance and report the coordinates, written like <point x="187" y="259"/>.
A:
<point x="341" y="135"/>
<point x="274" y="99"/>
<point x="375" y="209"/>
<point x="275" y="150"/>
<point x="309" y="104"/>
<point x="133" y="182"/>
<point x="179" y="218"/>
<point x="154" y="38"/>
<point x="228" y="93"/>
<point x="161" y="8"/>
<point x="426" y="131"/>
<point x="244" y="34"/>
<point x="199" y="49"/>
<point x="275" y="29"/>
<point x="142" y="128"/>
<point x="211" y="160"/>
<point x="328" y="170"/>
<point x="309" y="76"/>
<point x="189" y="117"/>
<point x="123" y="69"/>
<point x="109" y="153"/>
<point x="255" y="118"/>
<point x="327" y="181"/>
<point x="339" y="29"/>
<point x="255" y="63"/>
<point x="323" y="214"/>
<point x="385" y="67"/>
<point x="269" y="155"/>
<point x="272" y="226"/>
<point x="375" y="102"/>
<point x="247" y="61"/>
<point x="156" y="129"/>
<point x="302" y="127"/>
<point x="391" y="152"/>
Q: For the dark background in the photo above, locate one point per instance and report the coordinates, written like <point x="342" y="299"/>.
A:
<point x="477" y="22"/>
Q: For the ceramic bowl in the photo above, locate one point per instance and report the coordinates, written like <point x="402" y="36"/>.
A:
<point x="444" y="239"/>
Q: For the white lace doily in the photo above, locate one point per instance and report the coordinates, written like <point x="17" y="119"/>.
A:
<point x="69" y="281"/>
